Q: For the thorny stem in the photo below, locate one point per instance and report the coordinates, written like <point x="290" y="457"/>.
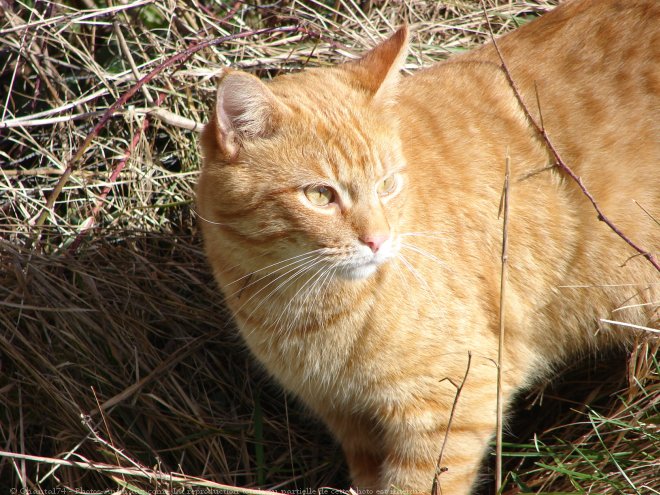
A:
<point x="89" y="224"/>
<point x="546" y="139"/>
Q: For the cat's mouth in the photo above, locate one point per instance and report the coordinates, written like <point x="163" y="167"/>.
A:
<point x="358" y="271"/>
<point x="363" y="263"/>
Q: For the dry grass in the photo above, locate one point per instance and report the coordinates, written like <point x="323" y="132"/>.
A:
<point x="115" y="349"/>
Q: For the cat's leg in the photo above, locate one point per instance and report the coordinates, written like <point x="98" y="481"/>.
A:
<point x="364" y="465"/>
<point x="361" y="447"/>
<point x="411" y="471"/>
<point x="414" y="436"/>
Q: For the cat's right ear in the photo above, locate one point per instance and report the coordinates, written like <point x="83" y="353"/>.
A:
<point x="244" y="109"/>
<point x="378" y="70"/>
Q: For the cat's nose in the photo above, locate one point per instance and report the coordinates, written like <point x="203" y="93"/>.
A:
<point x="374" y="241"/>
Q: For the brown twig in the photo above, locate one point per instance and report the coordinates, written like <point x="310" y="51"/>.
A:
<point x="439" y="468"/>
<point x="109" y="443"/>
<point x="560" y="162"/>
<point x="500" y="348"/>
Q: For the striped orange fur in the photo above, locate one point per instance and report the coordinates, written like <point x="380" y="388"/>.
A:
<point x="350" y="215"/>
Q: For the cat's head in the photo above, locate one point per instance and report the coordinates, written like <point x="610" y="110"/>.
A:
<point x="306" y="167"/>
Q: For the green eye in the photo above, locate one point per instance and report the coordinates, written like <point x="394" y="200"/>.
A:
<point x="320" y="195"/>
<point x="386" y="186"/>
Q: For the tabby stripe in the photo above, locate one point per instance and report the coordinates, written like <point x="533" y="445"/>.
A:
<point x="342" y="313"/>
<point x="410" y="462"/>
<point x="346" y="156"/>
<point x="332" y="167"/>
<point x="373" y="159"/>
<point x="322" y="130"/>
<point x="261" y="238"/>
<point x="250" y="209"/>
<point x="410" y="459"/>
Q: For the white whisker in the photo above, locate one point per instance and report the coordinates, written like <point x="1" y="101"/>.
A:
<point x="280" y="286"/>
<point x="311" y="279"/>
<point x="297" y="258"/>
<point x="318" y="285"/>
<point x="429" y="233"/>
<point x="297" y="270"/>
<point x="416" y="274"/>
<point x="426" y="254"/>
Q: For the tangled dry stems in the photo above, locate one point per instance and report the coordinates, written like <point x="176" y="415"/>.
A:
<point x="116" y="350"/>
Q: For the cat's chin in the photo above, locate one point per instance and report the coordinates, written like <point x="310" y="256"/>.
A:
<point x="365" y="264"/>
<point x="358" y="272"/>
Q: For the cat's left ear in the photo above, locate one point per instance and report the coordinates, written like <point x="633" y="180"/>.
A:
<point x="245" y="109"/>
<point x="378" y="70"/>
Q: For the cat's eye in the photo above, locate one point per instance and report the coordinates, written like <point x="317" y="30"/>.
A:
<point x="320" y="195"/>
<point x="386" y="186"/>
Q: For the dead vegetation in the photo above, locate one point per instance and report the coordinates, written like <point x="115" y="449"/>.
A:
<point x="116" y="354"/>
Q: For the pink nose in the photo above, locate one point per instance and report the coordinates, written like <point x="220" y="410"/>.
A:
<point x="374" y="241"/>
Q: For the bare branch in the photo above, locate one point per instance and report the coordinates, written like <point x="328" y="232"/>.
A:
<point x="500" y="347"/>
<point x="174" y="119"/>
<point x="560" y="162"/>
<point x="439" y="468"/>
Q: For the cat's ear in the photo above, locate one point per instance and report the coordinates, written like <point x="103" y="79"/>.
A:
<point x="244" y="109"/>
<point x="378" y="70"/>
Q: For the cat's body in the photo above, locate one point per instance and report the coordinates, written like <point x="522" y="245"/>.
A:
<point x="373" y="331"/>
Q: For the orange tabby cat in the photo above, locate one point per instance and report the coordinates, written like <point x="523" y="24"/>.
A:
<point x="351" y="219"/>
